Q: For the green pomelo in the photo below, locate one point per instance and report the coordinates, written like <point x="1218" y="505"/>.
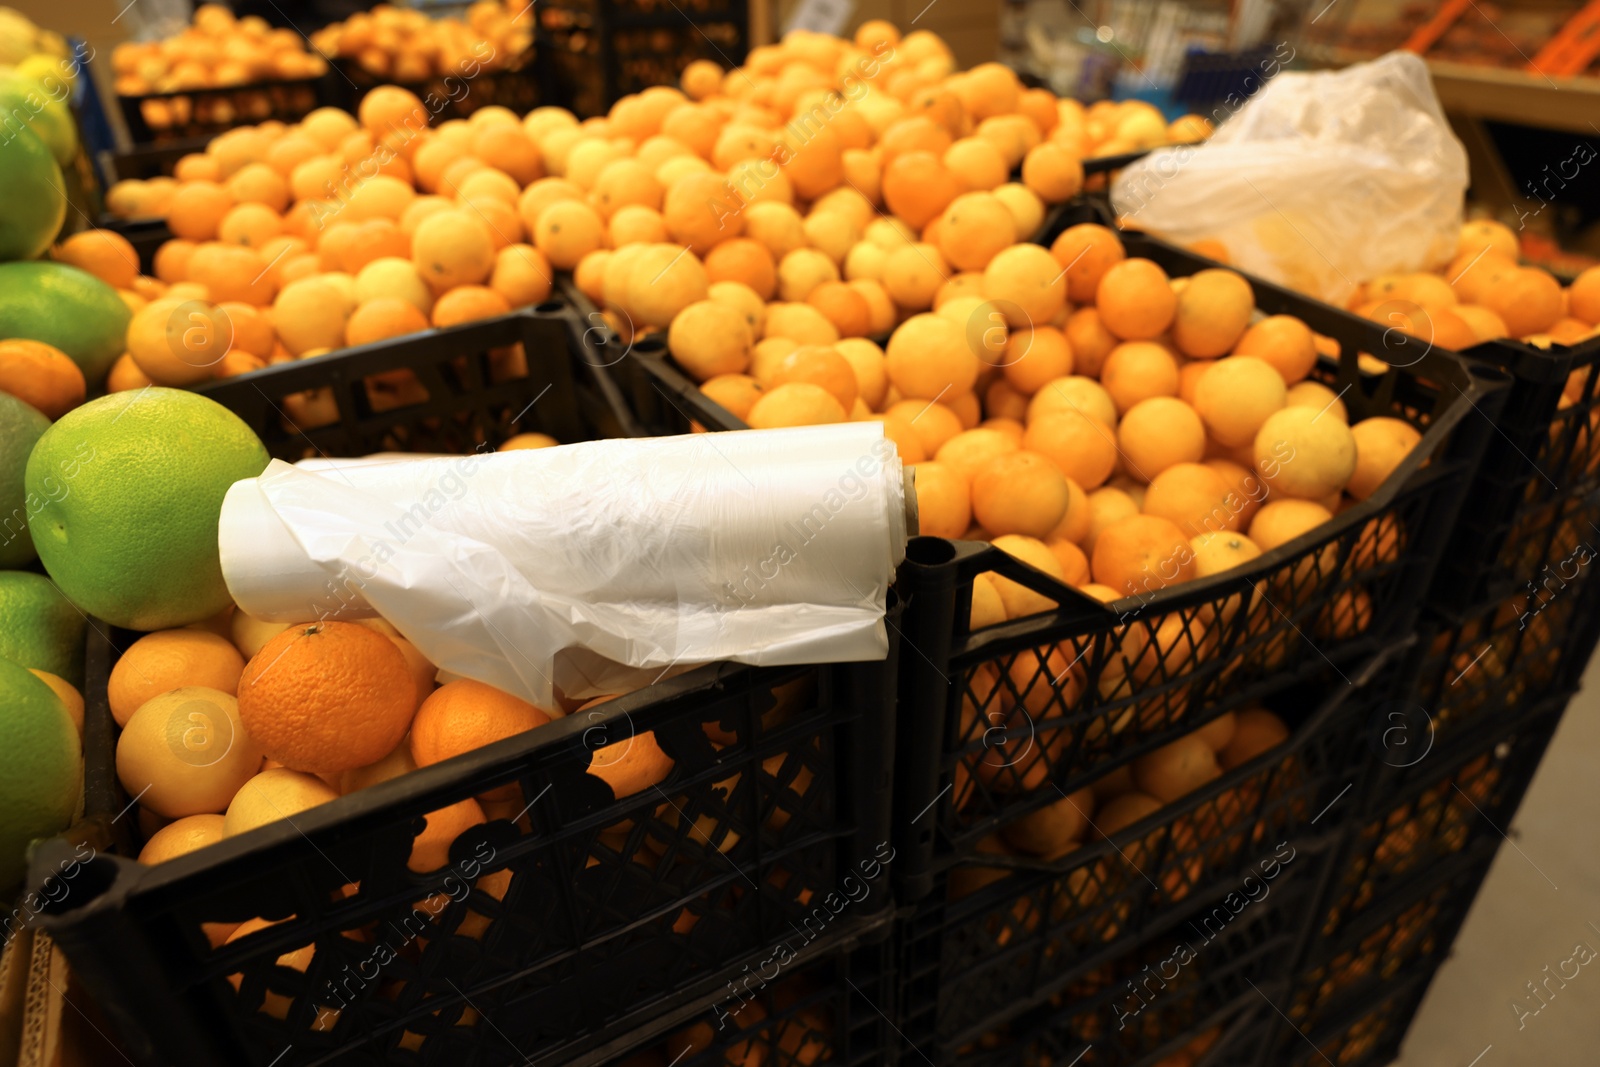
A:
<point x="41" y="767"/>
<point x="39" y="627"/>
<point x="65" y="307"/>
<point x="20" y="426"/>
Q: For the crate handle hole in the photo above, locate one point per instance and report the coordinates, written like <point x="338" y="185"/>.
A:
<point x="93" y="878"/>
<point x="930" y="551"/>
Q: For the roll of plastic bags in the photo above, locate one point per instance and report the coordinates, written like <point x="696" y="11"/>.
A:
<point x="591" y="568"/>
<point x="1320" y="182"/>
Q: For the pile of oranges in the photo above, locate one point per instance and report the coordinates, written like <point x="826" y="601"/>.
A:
<point x="406" y="45"/>
<point x="235" y="723"/>
<point x="216" y="51"/>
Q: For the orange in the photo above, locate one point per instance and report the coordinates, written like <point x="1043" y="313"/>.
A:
<point x="327" y="697"/>
<point x="1192" y="497"/>
<point x="1005" y="405"/>
<point x="1316" y="395"/>
<point x="796" y="404"/>
<point x="744" y="260"/>
<point x="631" y="764"/>
<point x="944" y="505"/>
<point x="976" y="163"/>
<point x="125" y="374"/>
<point x="106" y="254"/>
<point x="1157" y="433"/>
<point x="197" y="210"/>
<point x="310" y="313"/>
<point x="820" y="365"/>
<point x="389" y="107"/>
<point x="928" y="357"/>
<point x="1256" y="730"/>
<point x="1086" y="251"/>
<point x="430" y="850"/>
<point x="971" y="450"/>
<point x="1048" y="830"/>
<point x="1528" y="301"/>
<point x="274" y="794"/>
<point x="709" y="338"/>
<point x="916" y="133"/>
<point x="170" y="659"/>
<point x="803" y="270"/>
<point x="1382" y="444"/>
<point x="1141" y="553"/>
<point x="1089" y="339"/>
<point x="196" y="167"/>
<point x="41" y="375"/>
<point x="1284" y="519"/>
<point x="1212" y="312"/>
<point x="989" y="89"/>
<point x="735" y="392"/>
<point x="1074" y="393"/>
<point x="1019" y="600"/>
<point x="181" y="837"/>
<point x="464" y="715"/>
<point x="702" y="210"/>
<point x="1282" y="341"/>
<point x="1106" y="505"/>
<point x="522" y="275"/>
<point x="380" y="319"/>
<point x="468" y="303"/>
<point x="1035" y="356"/>
<point x="1082" y="448"/>
<point x="843" y="306"/>
<point x="1220" y="551"/>
<point x="1304" y="453"/>
<point x="1027" y="284"/>
<point x="232" y="273"/>
<point x="913" y="273"/>
<point x="1074" y="563"/>
<point x="1236" y="396"/>
<point x="1138" y="370"/>
<point x="1019" y="493"/>
<point x="1053" y="172"/>
<point x="1135" y="300"/>
<point x="933" y="422"/>
<point x="1583" y="298"/>
<point x="917" y="187"/>
<point x="259" y="183"/>
<point x="455" y="247"/>
<point x="184" y="752"/>
<point x="251" y="225"/>
<point x="1176" y="769"/>
<point x="172" y="260"/>
<point x="974" y="229"/>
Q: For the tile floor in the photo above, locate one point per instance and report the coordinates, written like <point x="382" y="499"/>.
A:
<point x="1536" y="907"/>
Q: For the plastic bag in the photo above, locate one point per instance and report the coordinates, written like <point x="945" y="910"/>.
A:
<point x="1319" y="182"/>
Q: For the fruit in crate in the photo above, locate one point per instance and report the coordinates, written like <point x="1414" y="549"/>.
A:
<point x="41" y="765"/>
<point x="215" y="51"/>
<point x="408" y="45"/>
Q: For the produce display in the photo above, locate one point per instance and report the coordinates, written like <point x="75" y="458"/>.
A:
<point x="407" y="45"/>
<point x="216" y="51"/>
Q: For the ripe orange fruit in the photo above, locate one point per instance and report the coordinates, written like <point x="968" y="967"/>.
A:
<point x="468" y="303"/>
<point x="1106" y="505"/>
<point x="1256" y="730"/>
<point x="1212" y="312"/>
<point x="1305" y="454"/>
<point x="917" y="187"/>
<point x="1382" y="444"/>
<point x="1086" y="251"/>
<point x="1035" y="356"/>
<point x="181" y="837"/>
<point x="381" y="319"/>
<point x="744" y="260"/>
<point x="928" y="357"/>
<point x="41" y="375"/>
<point x="1236" y="395"/>
<point x="1135" y="300"/>
<point x="1138" y="370"/>
<point x="1019" y="493"/>
<point x="1052" y="171"/>
<point x="1019" y="600"/>
<point x="1158" y="433"/>
<point x="184" y="752"/>
<point x="796" y="404"/>
<point x="197" y="210"/>
<point x="976" y="163"/>
<point x="389" y="107"/>
<point x="170" y="659"/>
<point x="430" y="850"/>
<point x="106" y="254"/>
<point x="327" y="697"/>
<point x="709" y="338"/>
<point x="1082" y="448"/>
<point x="464" y="715"/>
<point x="1284" y="519"/>
<point x="843" y="306"/>
<point x="944" y="505"/>
<point x="974" y="229"/>
<point x="274" y="794"/>
<point x="971" y="450"/>
<point x="1283" y="341"/>
<point x="1192" y="497"/>
<point x="454" y="247"/>
<point x="1176" y="769"/>
<point x="1220" y="551"/>
<point x="1141" y="553"/>
<point x="631" y="764"/>
<point x="1528" y="301"/>
<point x="1583" y="297"/>
<point x="820" y="365"/>
<point x="1027" y="284"/>
<point x="701" y="211"/>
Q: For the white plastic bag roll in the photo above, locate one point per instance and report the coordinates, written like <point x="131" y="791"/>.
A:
<point x="591" y="568"/>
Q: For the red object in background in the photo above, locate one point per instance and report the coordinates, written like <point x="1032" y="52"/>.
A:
<point x="1425" y="36"/>
<point x="1574" y="46"/>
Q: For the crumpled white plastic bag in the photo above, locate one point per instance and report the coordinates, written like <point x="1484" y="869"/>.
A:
<point x="592" y="568"/>
<point x="1320" y="182"/>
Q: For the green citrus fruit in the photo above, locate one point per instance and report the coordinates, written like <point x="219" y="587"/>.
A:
<point x="39" y="627"/>
<point x="65" y="307"/>
<point x="20" y="426"/>
<point x="33" y="197"/>
<point x="22" y="97"/>
<point x="134" y="542"/>
<point x="41" y="767"/>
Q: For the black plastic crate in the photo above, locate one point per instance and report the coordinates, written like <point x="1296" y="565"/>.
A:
<point x="203" y="113"/>
<point x="1419" y="810"/>
<point x="594" y="53"/>
<point x="454" y="390"/>
<point x="1368" y="1035"/>
<point x="1540" y="473"/>
<point x="837" y="1009"/>
<point x="1410" y="935"/>
<point x="1005" y="933"/>
<point x="1130" y="1012"/>
<point x="555" y="931"/>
